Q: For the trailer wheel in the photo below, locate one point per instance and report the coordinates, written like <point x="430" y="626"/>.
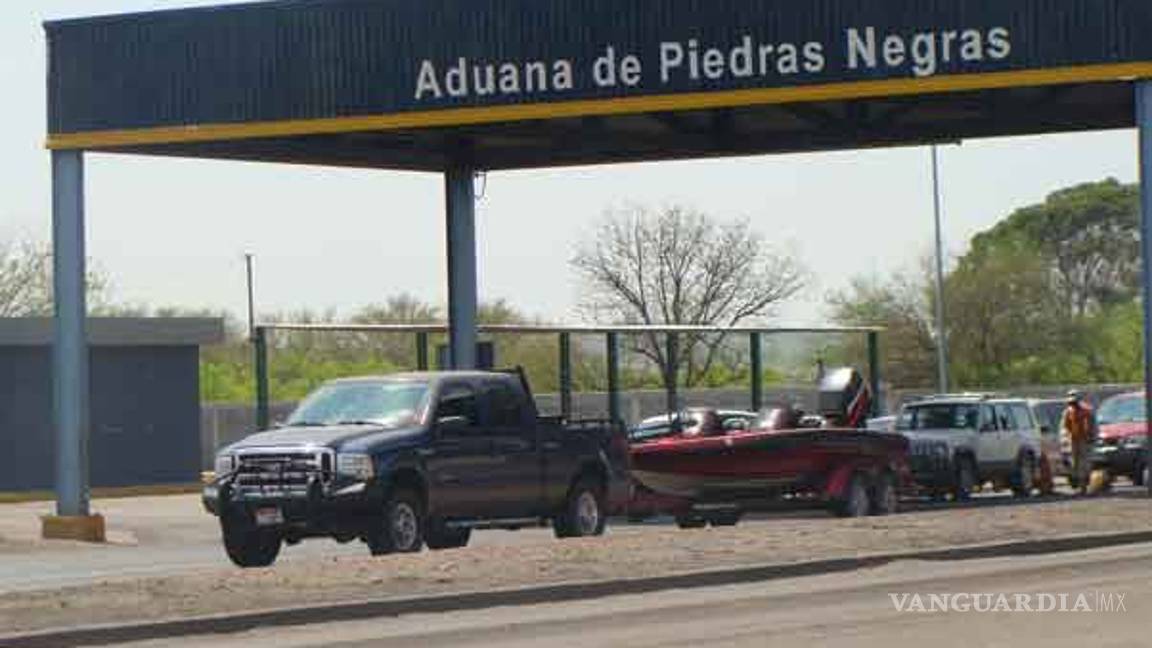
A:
<point x="439" y="537"/>
<point x="691" y="522"/>
<point x="725" y="518"/>
<point x="854" y="502"/>
<point x="885" y="500"/>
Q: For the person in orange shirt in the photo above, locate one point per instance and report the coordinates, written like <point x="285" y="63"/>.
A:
<point x="1077" y="431"/>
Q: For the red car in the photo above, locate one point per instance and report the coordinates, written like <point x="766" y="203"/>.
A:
<point x="1122" y="444"/>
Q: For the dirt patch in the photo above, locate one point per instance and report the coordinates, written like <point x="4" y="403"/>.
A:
<point x="630" y="552"/>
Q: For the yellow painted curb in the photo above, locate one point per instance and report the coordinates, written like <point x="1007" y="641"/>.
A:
<point x="120" y="492"/>
<point x="87" y="528"/>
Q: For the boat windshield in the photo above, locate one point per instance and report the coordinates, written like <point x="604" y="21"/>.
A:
<point x="659" y="428"/>
<point x="940" y="416"/>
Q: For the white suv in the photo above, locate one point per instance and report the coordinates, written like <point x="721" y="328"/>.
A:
<point x="960" y="442"/>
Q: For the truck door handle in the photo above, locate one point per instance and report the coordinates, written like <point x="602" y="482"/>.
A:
<point x="551" y="445"/>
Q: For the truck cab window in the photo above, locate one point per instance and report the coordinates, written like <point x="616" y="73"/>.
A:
<point x="504" y="406"/>
<point x="458" y="400"/>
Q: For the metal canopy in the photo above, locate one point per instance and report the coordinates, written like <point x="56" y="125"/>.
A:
<point x="456" y="86"/>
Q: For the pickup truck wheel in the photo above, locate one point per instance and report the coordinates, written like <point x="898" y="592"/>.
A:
<point x="247" y="545"/>
<point x="853" y="502"/>
<point x="438" y="538"/>
<point x="583" y="513"/>
<point x="1024" y="479"/>
<point x="402" y="528"/>
<point x="965" y="480"/>
<point x="884" y="500"/>
<point x="1140" y="475"/>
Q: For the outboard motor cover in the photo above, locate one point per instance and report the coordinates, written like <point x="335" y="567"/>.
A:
<point x="845" y="398"/>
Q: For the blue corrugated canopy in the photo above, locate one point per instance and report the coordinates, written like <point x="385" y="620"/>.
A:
<point x="521" y="83"/>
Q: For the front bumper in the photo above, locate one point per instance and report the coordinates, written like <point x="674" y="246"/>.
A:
<point x="1118" y="459"/>
<point x="341" y="507"/>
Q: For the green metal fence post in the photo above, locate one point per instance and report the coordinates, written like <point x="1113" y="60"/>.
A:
<point x="672" y="375"/>
<point x="757" y="361"/>
<point x="874" y="372"/>
<point x="422" y="351"/>
<point x="565" y="375"/>
<point x="613" y="342"/>
<point x="260" y="346"/>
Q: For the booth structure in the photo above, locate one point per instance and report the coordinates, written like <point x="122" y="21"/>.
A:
<point x="460" y="86"/>
<point x="144" y="391"/>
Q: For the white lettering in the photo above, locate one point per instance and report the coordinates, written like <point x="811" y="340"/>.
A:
<point x="861" y="49"/>
<point x="426" y="81"/>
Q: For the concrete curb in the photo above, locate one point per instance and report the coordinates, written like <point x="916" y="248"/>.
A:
<point x="361" y="610"/>
<point x="111" y="492"/>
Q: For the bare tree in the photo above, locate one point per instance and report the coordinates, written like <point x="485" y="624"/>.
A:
<point x="678" y="266"/>
<point x="26" y="282"/>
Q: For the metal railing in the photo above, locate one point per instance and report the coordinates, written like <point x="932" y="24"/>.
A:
<point x="564" y="333"/>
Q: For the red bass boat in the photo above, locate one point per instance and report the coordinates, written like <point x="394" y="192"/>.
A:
<point x="828" y="458"/>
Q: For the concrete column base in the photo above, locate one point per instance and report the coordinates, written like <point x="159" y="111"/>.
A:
<point x="88" y="528"/>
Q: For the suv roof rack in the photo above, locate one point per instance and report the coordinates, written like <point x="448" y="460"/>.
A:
<point x="964" y="396"/>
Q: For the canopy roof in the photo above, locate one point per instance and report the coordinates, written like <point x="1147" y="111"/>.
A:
<point x="524" y="83"/>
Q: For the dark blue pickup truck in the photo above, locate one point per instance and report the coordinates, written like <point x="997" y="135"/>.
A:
<point x="417" y="459"/>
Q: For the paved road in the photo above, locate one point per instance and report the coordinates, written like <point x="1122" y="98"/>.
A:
<point x="841" y="610"/>
<point x="170" y="535"/>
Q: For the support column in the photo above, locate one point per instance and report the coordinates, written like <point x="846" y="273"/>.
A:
<point x="755" y="351"/>
<point x="1144" y="123"/>
<point x="614" y="410"/>
<point x="70" y="354"/>
<point x="260" y="358"/>
<point x="566" y="375"/>
<point x="460" y="200"/>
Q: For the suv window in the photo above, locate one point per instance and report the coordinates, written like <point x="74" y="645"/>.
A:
<point x="1023" y="417"/>
<point x="458" y="400"/>
<point x="1004" y="418"/>
<point x="941" y="416"/>
<point x="504" y="405"/>
<point x="989" y="421"/>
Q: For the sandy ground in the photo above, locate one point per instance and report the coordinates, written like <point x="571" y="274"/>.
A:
<point x="628" y="551"/>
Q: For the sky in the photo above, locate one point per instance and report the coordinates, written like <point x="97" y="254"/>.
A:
<point x="174" y="232"/>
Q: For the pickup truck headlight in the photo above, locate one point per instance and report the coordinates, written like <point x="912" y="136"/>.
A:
<point x="357" y="466"/>
<point x="225" y="464"/>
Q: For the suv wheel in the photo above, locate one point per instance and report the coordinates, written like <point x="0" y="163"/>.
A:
<point x="854" y="501"/>
<point x="965" y="480"/>
<point x="1140" y="475"/>
<point x="248" y="545"/>
<point x="583" y="513"/>
<point x="1024" y="479"/>
<point x="884" y="500"/>
<point x="402" y="528"/>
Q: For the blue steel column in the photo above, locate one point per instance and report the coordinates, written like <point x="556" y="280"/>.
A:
<point x="672" y="375"/>
<point x="1144" y="123"/>
<point x="70" y="349"/>
<point x="460" y="200"/>
<point x="260" y="349"/>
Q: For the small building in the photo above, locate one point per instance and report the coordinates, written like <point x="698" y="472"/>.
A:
<point x="144" y="395"/>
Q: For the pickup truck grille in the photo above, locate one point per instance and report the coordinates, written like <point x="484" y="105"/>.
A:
<point x="290" y="470"/>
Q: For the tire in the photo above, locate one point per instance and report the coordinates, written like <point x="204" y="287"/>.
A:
<point x="583" y="512"/>
<point x="438" y="538"/>
<point x="691" y="522"/>
<point x="401" y="528"/>
<point x="1024" y="478"/>
<point x="884" y="500"/>
<point x="855" y="502"/>
<point x="1140" y="475"/>
<point x="725" y="519"/>
<point x="247" y="545"/>
<point x="965" y="480"/>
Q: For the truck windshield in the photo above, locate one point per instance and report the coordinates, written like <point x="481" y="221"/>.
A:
<point x="391" y="404"/>
<point x="1123" y="409"/>
<point x="940" y="417"/>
